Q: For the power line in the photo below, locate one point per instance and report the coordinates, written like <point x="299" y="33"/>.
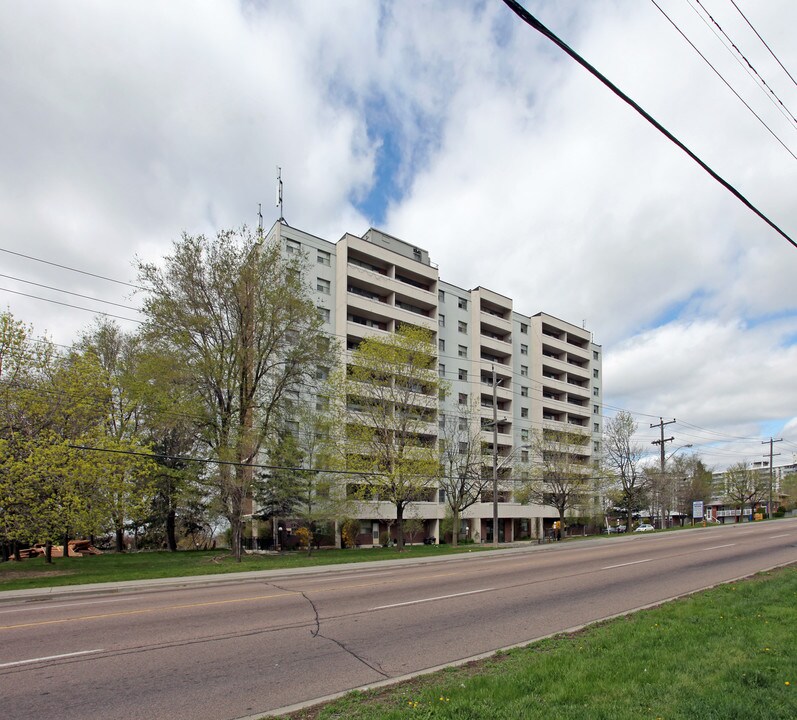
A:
<point x="76" y="307"/>
<point x="69" y="292"/>
<point x="763" y="42"/>
<point x="529" y="19"/>
<point x="719" y="75"/>
<point x="71" y="269"/>
<point x="747" y="62"/>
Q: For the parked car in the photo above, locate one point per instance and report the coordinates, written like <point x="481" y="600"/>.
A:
<point x="644" y="527"/>
<point x="616" y="528"/>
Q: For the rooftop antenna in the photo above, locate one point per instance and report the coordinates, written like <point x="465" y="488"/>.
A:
<point x="279" y="192"/>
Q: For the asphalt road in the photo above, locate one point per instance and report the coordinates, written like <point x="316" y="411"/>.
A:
<point x="231" y="650"/>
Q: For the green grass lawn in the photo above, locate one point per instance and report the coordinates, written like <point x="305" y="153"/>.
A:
<point x="113" y="567"/>
<point x="728" y="653"/>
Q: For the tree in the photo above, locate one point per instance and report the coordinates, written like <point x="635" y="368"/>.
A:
<point x="693" y="481"/>
<point x="237" y="316"/>
<point x="621" y="457"/>
<point x="387" y="397"/>
<point x="744" y="485"/>
<point x="561" y="475"/>
<point x="464" y="476"/>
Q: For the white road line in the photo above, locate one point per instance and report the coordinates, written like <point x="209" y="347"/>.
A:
<point x="432" y="599"/>
<point x="49" y="657"/>
<point x="715" y="547"/>
<point x="30" y="606"/>
<point x="636" y="562"/>
<point x="774" y="537"/>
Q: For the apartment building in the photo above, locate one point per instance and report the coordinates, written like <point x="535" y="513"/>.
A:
<point x="529" y="371"/>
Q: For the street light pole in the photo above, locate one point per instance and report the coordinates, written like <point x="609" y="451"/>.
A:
<point x="495" y="460"/>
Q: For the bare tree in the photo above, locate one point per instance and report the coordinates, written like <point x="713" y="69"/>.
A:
<point x="621" y="459"/>
<point x="561" y="474"/>
<point x="744" y="485"/>
<point x="465" y="476"/>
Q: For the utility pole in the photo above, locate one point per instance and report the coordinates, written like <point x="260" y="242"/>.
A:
<point x="495" y="460"/>
<point x="661" y="442"/>
<point x="771" y="442"/>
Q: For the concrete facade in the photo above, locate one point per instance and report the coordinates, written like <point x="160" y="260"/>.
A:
<point x="548" y="371"/>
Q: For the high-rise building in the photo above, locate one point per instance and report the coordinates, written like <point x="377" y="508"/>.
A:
<point x="529" y="371"/>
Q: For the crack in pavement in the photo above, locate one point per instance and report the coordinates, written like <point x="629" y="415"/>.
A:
<point x="316" y="633"/>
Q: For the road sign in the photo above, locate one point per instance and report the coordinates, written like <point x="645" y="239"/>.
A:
<point x="697" y="509"/>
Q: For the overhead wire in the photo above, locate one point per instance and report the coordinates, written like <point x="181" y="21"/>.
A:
<point x="532" y="21"/>
<point x="720" y="76"/>
<point x="763" y="42"/>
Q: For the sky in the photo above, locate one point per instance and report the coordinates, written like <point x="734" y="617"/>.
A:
<point x="456" y="127"/>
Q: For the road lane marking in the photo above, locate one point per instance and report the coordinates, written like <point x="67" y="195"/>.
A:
<point x="144" y="611"/>
<point x="49" y="657"/>
<point x="635" y="562"/>
<point x="775" y="537"/>
<point x="715" y="547"/>
<point x="432" y="599"/>
<point x="29" y="607"/>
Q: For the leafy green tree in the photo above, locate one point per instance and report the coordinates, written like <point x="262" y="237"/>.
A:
<point x="387" y="397"/>
<point x="237" y="316"/>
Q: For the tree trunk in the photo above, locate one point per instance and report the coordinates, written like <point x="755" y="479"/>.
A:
<point x="171" y="536"/>
<point x="17" y="556"/>
<point x="120" y="539"/>
<point x="48" y="552"/>
<point x="561" y="523"/>
<point x="5" y="553"/>
<point x="400" y="526"/>
<point x="66" y="543"/>
<point x="455" y="530"/>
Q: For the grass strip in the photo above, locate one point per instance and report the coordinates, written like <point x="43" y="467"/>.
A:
<point x="723" y="654"/>
<point x="118" y="567"/>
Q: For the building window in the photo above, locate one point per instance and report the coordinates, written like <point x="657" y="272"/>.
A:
<point x="441" y="496"/>
<point x="524" y="456"/>
<point x="323" y="258"/>
<point x="463" y="374"/>
<point x="524" y="435"/>
<point x="441" y="320"/>
<point x="293" y="247"/>
<point x="524" y="391"/>
<point x="595" y="409"/>
<point x="595" y="373"/>
<point x="463" y="398"/>
<point x="441" y="344"/>
<point x="463" y="423"/>
<point x="462" y="327"/>
<point x="596" y="427"/>
<point x="441" y="421"/>
<point x="524" y="349"/>
<point x="524" y="412"/>
<point x="596" y="446"/>
<point x="463" y="448"/>
<point x="441" y="370"/>
<point x="323" y="313"/>
<point x="321" y="373"/>
<point x="441" y="296"/>
<point x="322" y="286"/>
<point x="595" y="355"/>
<point x="596" y="391"/>
<point x="524" y="370"/>
<point x="463" y="351"/>
<point x="462" y="303"/>
<point x="321" y="403"/>
<point x="524" y="328"/>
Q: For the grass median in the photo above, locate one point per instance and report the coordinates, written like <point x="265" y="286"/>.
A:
<point x="117" y="567"/>
<point x="726" y="653"/>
